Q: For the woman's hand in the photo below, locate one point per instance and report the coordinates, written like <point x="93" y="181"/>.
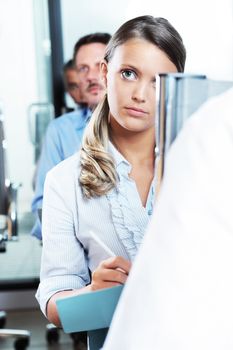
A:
<point x="110" y="272"/>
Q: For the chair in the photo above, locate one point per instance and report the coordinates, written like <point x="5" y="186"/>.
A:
<point x="9" y="231"/>
<point x="8" y="191"/>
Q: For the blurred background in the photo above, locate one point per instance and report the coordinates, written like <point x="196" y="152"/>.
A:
<point x="37" y="37"/>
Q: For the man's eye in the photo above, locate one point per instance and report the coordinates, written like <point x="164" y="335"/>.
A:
<point x="73" y="87"/>
<point x="128" y="74"/>
<point x="82" y="69"/>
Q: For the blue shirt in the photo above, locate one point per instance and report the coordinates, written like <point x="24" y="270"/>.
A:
<point x="69" y="249"/>
<point x="63" y="138"/>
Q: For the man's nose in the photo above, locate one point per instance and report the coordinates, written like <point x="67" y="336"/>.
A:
<point x="93" y="73"/>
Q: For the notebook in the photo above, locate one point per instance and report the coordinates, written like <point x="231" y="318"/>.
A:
<point x="88" y="311"/>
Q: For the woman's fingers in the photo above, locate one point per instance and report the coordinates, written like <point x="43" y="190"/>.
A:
<point x="105" y="278"/>
<point x="111" y="272"/>
<point x="117" y="262"/>
<point x="112" y="275"/>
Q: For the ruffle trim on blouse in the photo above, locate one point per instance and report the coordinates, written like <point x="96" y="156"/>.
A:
<point x="124" y="220"/>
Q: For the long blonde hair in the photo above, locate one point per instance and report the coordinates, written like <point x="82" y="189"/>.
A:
<point x="98" y="173"/>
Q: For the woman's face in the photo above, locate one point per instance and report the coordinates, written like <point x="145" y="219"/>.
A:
<point x="130" y="83"/>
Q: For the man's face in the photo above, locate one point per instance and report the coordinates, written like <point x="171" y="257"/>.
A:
<point x="73" y="85"/>
<point x="87" y="61"/>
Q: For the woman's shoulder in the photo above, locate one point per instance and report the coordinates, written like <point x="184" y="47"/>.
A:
<point x="62" y="188"/>
<point x="67" y="169"/>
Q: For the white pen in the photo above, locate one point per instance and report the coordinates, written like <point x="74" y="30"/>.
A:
<point x="101" y="243"/>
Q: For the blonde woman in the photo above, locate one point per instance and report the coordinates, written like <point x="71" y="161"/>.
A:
<point x="98" y="202"/>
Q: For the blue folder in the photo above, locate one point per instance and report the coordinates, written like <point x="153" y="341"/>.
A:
<point x="88" y="311"/>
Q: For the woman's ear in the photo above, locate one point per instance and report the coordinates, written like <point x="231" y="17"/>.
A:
<point x="104" y="72"/>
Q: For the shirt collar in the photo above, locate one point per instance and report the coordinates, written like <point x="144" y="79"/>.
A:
<point x="81" y="117"/>
<point x="121" y="162"/>
<point x="87" y="113"/>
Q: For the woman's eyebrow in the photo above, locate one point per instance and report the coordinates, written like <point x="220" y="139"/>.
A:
<point x="129" y="66"/>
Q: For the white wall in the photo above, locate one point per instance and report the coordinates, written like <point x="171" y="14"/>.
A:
<point x="18" y="90"/>
<point x="206" y="28"/>
<point x="205" y="25"/>
<point x="83" y="17"/>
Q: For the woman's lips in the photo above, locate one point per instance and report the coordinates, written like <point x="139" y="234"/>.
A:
<point x="136" y="112"/>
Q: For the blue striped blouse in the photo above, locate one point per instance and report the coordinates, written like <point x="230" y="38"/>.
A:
<point x="69" y="250"/>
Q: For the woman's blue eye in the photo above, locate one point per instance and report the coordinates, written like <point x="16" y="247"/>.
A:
<point x="128" y="74"/>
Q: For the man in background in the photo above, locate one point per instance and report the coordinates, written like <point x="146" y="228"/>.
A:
<point x="64" y="134"/>
<point x="179" y="294"/>
<point x="72" y="83"/>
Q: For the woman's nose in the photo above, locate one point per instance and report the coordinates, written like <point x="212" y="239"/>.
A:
<point x="139" y="93"/>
